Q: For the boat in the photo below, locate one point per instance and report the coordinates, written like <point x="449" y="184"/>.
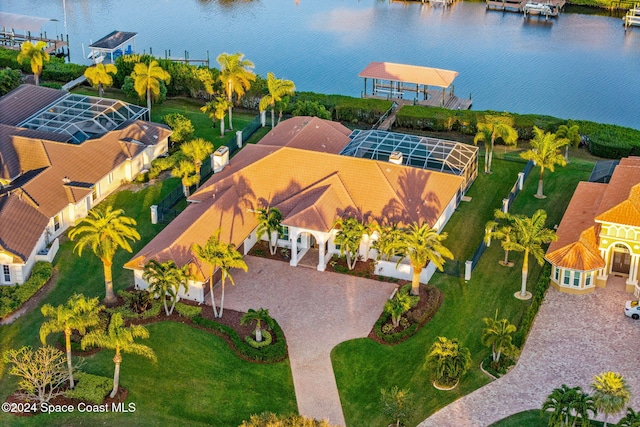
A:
<point x="535" y="8"/>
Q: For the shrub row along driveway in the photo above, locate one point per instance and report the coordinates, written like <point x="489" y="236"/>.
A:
<point x="317" y="311"/>
<point x="573" y="339"/>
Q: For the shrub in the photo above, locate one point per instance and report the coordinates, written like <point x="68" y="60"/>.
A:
<point x="12" y="300"/>
<point x="162" y="164"/>
<point x="90" y="388"/>
<point x="188" y="311"/>
<point x="52" y="85"/>
<point x="267" y="339"/>
<point x="9" y="58"/>
<point x="9" y="80"/>
<point x="344" y="108"/>
<point x="60" y="71"/>
<point x="181" y="126"/>
<point x="154" y="311"/>
<point x="310" y="108"/>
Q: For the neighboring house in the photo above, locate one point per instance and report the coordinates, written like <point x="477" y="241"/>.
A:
<point x="599" y="234"/>
<point x="297" y="168"/>
<point x="60" y="154"/>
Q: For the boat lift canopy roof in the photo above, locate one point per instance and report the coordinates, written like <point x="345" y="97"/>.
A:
<point x="22" y="22"/>
<point x="113" y="41"/>
<point x="409" y="74"/>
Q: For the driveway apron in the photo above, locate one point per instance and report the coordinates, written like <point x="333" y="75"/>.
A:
<point x="317" y="311"/>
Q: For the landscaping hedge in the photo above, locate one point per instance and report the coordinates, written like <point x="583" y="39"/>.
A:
<point x="12" y="297"/>
<point x="275" y="352"/>
<point x="345" y="108"/>
<point x="90" y="388"/>
<point x="188" y="311"/>
<point x="539" y="292"/>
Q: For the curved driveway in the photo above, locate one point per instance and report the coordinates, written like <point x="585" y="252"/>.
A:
<point x="317" y="311"/>
<point x="573" y="338"/>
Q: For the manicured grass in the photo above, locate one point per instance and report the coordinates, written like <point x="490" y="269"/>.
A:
<point x="363" y="367"/>
<point x="198" y="379"/>
<point x="532" y="418"/>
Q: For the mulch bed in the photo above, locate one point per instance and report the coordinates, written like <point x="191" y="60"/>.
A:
<point x="261" y="249"/>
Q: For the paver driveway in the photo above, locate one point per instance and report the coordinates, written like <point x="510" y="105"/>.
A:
<point x="317" y="311"/>
<point x="573" y="338"/>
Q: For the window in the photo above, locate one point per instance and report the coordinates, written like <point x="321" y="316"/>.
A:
<point x="566" y="277"/>
<point x="556" y="276"/>
<point x="94" y="193"/>
<point x="6" y="274"/>
<point x="576" y="278"/>
<point x="587" y="280"/>
<point x="283" y="232"/>
<point x="110" y="178"/>
<point x="56" y="222"/>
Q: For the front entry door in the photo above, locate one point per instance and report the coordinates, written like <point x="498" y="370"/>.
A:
<point x="621" y="262"/>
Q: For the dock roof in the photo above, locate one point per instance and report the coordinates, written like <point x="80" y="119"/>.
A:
<point x="409" y="74"/>
<point x="113" y="40"/>
<point x="22" y="22"/>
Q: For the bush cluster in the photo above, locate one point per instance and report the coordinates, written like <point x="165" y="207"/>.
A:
<point x="275" y="352"/>
<point x="267" y="338"/>
<point x="60" y="71"/>
<point x="188" y="311"/>
<point x="520" y="336"/>
<point x="343" y="108"/>
<point x="90" y="388"/>
<point x="417" y="318"/>
<point x="12" y="297"/>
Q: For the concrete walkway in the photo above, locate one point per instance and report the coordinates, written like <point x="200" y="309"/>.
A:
<point x="573" y="339"/>
<point x="317" y="311"/>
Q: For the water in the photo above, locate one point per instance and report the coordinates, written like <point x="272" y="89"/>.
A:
<point x="574" y="66"/>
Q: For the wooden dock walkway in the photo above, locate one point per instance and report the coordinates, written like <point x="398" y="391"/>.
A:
<point x="632" y="18"/>
<point x="435" y="98"/>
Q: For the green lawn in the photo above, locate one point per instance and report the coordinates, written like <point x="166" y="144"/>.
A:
<point x="363" y="367"/>
<point x="198" y="379"/>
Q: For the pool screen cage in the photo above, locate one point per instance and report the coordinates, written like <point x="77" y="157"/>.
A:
<point x="84" y="117"/>
<point x="417" y="151"/>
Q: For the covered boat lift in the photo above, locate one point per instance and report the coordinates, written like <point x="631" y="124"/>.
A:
<point x="17" y="29"/>
<point x="394" y="81"/>
<point x="113" y="45"/>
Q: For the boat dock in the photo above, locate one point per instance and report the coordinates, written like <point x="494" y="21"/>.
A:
<point x="434" y="98"/>
<point x="17" y="29"/>
<point x="632" y="18"/>
<point x="527" y="7"/>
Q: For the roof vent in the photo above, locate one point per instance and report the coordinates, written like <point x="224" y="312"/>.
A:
<point x="66" y="180"/>
<point x="395" y="157"/>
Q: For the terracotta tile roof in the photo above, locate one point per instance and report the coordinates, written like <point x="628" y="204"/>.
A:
<point x="311" y="188"/>
<point x="309" y="133"/>
<point x="627" y="212"/>
<point x="21" y="226"/>
<point x="624" y="177"/>
<point x="26" y="100"/>
<point x="409" y="74"/>
<point x="21" y="150"/>
<point x="581" y="255"/>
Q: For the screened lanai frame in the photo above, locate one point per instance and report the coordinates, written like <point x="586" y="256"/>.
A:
<point x="417" y="151"/>
<point x="84" y="117"/>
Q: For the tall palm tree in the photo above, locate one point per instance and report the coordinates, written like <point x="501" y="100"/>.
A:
<point x="36" y="55"/>
<point x="220" y="255"/>
<point x="581" y="407"/>
<point x="498" y="336"/>
<point x="610" y="393"/>
<point x="348" y="236"/>
<point x="186" y="171"/>
<point x="100" y="76"/>
<point x="197" y="150"/>
<point x="528" y="236"/>
<point x="545" y="152"/>
<point x="79" y="313"/>
<point x="166" y="278"/>
<point x="278" y="88"/>
<point x="104" y="231"/>
<point x="217" y="110"/>
<point x="236" y="76"/>
<point x="260" y="315"/>
<point x="572" y="135"/>
<point x="500" y="228"/>
<point x="269" y="221"/>
<point x="122" y="340"/>
<point x="421" y="244"/>
<point x="146" y="80"/>
<point x="488" y="132"/>
<point x="449" y="360"/>
<point x="558" y="405"/>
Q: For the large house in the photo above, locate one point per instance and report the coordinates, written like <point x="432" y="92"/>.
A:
<point x="314" y="171"/>
<point x="60" y="154"/>
<point x="599" y="234"/>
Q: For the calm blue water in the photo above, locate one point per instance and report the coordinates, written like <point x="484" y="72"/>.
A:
<point x="575" y="66"/>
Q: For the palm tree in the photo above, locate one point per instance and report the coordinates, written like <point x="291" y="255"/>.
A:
<point x="558" y="405"/>
<point x="36" y="55"/>
<point x="186" y="171"/>
<point x="497" y="335"/>
<point x="197" y="150"/>
<point x="105" y="231"/>
<point x="397" y="306"/>
<point x="397" y="404"/>
<point x="572" y="135"/>
<point x="101" y="76"/>
<point x="631" y="419"/>
<point x="610" y="393"/>
<point x="488" y="133"/>
<point x="166" y="278"/>
<point x="386" y="243"/>
<point x="217" y="110"/>
<point x="500" y="228"/>
<point x="258" y="316"/>
<point x="146" y="80"/>
<point x="581" y="406"/>
<point x="545" y="152"/>
<point x="278" y="88"/>
<point x="79" y="313"/>
<point x="449" y="360"/>
<point x="348" y="236"/>
<point x="528" y="236"/>
<point x="422" y="244"/>
<point x="269" y="221"/>
<point x="223" y="256"/>
<point x="120" y="339"/>
<point x="236" y="76"/>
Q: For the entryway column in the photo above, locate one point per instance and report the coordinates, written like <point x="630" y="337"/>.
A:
<point x="293" y="237"/>
<point x="603" y="273"/>
<point x="633" y="271"/>
<point x="321" y="242"/>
